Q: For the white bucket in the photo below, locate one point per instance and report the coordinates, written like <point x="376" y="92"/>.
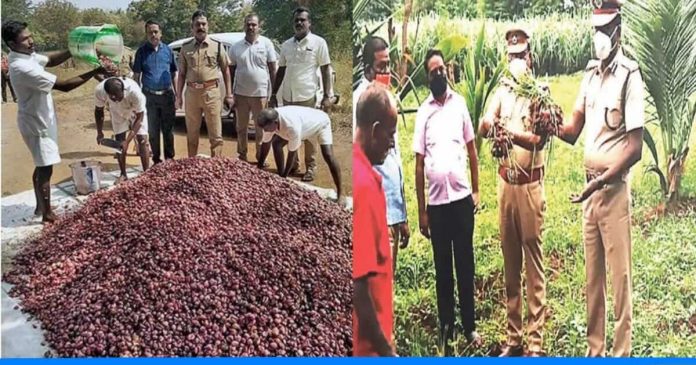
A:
<point x="86" y="176"/>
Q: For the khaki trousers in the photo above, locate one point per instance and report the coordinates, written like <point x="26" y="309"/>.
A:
<point x="310" y="150"/>
<point x="607" y="235"/>
<point x="521" y="217"/>
<point x="208" y="102"/>
<point x="394" y="241"/>
<point x="245" y="105"/>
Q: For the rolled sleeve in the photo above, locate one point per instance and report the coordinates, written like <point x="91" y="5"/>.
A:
<point x="419" y="133"/>
<point x="182" y="61"/>
<point x="224" y="60"/>
<point x="468" y="126"/>
<point x="634" y="108"/>
<point x="282" y="59"/>
<point x="294" y="140"/>
<point x="230" y="54"/>
<point x="580" y="100"/>
<point x="270" y="52"/>
<point x="323" y="58"/>
<point x="139" y="101"/>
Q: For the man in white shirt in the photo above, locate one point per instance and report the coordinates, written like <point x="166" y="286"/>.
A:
<point x="300" y="56"/>
<point x="36" y="116"/>
<point x="253" y="67"/>
<point x="127" y="105"/>
<point x="291" y="125"/>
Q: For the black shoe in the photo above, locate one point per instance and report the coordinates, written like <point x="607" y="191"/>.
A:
<point x="473" y="338"/>
<point x="512" y="351"/>
<point x="446" y="338"/>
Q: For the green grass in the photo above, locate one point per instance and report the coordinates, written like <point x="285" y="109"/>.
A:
<point x="664" y="260"/>
<point x="561" y="43"/>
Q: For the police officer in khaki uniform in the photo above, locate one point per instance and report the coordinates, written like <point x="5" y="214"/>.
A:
<point x="200" y="61"/>
<point x="610" y="106"/>
<point x="520" y="199"/>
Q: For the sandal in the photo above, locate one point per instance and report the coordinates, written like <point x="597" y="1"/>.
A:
<point x="308" y="176"/>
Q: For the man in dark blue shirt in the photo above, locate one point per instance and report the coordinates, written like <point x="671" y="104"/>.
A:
<point x="155" y="69"/>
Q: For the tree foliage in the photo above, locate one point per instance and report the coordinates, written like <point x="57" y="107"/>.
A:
<point x="19" y="10"/>
<point x="331" y="19"/>
<point x="53" y="20"/>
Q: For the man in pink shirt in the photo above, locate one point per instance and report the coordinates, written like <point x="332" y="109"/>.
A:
<point x="443" y="138"/>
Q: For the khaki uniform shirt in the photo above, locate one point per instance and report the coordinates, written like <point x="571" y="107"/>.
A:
<point x="601" y="99"/>
<point x="513" y="112"/>
<point x="202" y="62"/>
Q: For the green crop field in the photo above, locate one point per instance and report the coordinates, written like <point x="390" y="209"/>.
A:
<point x="664" y="259"/>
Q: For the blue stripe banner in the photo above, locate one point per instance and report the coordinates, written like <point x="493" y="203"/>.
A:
<point x="346" y="361"/>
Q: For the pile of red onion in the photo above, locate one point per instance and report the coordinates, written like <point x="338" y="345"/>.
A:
<point x="197" y="257"/>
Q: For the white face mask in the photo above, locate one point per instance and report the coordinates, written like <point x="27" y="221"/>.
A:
<point x="518" y="67"/>
<point x="602" y="44"/>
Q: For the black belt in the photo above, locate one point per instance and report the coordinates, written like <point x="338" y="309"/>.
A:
<point x="156" y="92"/>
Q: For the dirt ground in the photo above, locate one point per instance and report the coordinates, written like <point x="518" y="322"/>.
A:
<point x="77" y="141"/>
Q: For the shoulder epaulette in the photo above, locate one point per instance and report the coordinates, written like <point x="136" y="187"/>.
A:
<point x="592" y="65"/>
<point x="629" y="64"/>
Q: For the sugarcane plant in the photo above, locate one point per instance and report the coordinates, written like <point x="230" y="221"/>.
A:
<point x="501" y="142"/>
<point x="482" y="69"/>
<point x="546" y="117"/>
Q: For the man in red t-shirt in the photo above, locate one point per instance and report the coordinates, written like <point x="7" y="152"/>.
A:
<point x="373" y="311"/>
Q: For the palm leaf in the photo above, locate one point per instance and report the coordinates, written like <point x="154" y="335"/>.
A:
<point x="650" y="143"/>
<point x="661" y="35"/>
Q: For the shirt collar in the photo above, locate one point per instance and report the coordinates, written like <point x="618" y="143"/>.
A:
<point x="614" y="63"/>
<point x="250" y="43"/>
<point x="153" y="47"/>
<point x="17" y="55"/>
<point x="431" y="99"/>
<point x="306" y="38"/>
<point x="205" y="41"/>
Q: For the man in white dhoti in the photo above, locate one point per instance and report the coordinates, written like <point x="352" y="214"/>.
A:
<point x="36" y="114"/>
